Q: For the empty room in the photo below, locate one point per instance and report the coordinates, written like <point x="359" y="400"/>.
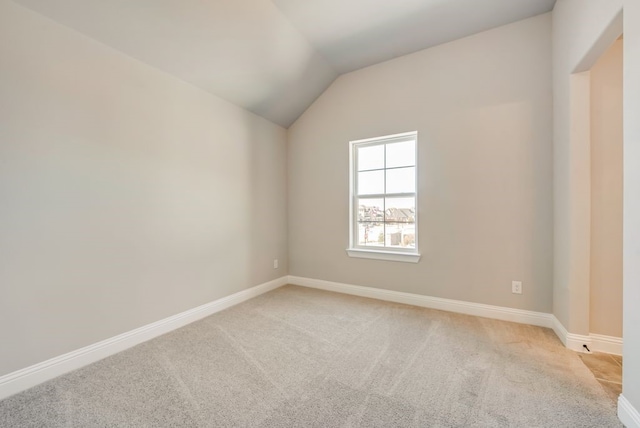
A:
<point x="292" y="213"/>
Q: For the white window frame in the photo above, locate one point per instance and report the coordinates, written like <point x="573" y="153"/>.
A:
<point x="410" y="255"/>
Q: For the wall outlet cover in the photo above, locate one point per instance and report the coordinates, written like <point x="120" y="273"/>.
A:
<point x="516" y="287"/>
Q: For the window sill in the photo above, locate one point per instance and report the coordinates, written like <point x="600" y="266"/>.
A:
<point x="383" y="255"/>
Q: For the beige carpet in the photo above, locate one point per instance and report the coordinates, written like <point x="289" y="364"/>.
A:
<point x="298" y="357"/>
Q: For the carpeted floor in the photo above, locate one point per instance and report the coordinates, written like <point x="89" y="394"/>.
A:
<point x="298" y="357"/>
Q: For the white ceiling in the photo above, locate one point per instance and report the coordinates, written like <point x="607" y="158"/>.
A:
<point x="352" y="34"/>
<point x="275" y="57"/>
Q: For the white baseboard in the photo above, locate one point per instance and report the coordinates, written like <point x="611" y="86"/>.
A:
<point x="628" y="414"/>
<point x="468" y="308"/>
<point x="572" y="341"/>
<point x="559" y="330"/>
<point x="595" y="342"/>
<point x="575" y="342"/>
<point x="606" y="344"/>
<point x="20" y="380"/>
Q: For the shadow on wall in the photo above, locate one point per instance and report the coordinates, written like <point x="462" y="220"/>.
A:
<point x="266" y="201"/>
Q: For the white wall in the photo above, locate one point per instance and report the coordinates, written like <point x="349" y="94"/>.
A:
<point x="582" y="31"/>
<point x="482" y="109"/>
<point x="127" y="195"/>
<point x="631" y="225"/>
<point x="606" y="194"/>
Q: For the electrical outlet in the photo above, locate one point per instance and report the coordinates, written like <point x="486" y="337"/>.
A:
<point x="275" y="263"/>
<point x="516" y="287"/>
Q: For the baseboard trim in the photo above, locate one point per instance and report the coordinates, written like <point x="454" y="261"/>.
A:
<point x="606" y="344"/>
<point x="575" y="342"/>
<point x="559" y="330"/>
<point x="595" y="342"/>
<point x="468" y="308"/>
<point x="21" y="380"/>
<point x="628" y="414"/>
<point x="572" y="341"/>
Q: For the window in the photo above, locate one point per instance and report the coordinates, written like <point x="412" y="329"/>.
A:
<point x="383" y="196"/>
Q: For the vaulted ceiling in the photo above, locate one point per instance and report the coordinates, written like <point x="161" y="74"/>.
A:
<point x="275" y="57"/>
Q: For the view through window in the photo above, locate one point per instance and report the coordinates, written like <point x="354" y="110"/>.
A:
<point x="383" y="189"/>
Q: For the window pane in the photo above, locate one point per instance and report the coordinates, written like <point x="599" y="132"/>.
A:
<point x="371" y="234"/>
<point x="401" y="154"/>
<point x="399" y="235"/>
<point x="371" y="157"/>
<point x="401" y="180"/>
<point x="370" y="183"/>
<point x="371" y="210"/>
<point x="400" y="210"/>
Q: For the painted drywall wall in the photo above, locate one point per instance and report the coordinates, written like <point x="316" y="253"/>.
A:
<point x="482" y="109"/>
<point x="631" y="214"/>
<point x="606" y="194"/>
<point x="127" y="195"/>
<point x="582" y="31"/>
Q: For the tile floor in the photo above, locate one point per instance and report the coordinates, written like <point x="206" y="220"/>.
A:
<point x="608" y="371"/>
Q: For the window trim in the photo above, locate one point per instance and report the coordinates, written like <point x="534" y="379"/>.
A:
<point x="384" y="253"/>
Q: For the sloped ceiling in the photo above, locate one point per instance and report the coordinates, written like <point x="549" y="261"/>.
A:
<point x="275" y="57"/>
<point x="352" y="34"/>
